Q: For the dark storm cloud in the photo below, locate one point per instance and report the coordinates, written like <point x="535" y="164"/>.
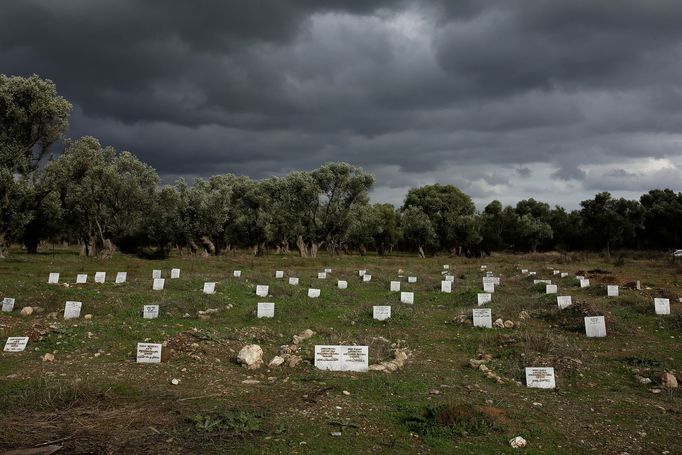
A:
<point x="502" y="98"/>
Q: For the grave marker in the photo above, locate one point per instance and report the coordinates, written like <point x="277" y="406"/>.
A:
<point x="381" y="312"/>
<point x="341" y="284"/>
<point x="121" y="277"/>
<point x="394" y="286"/>
<point x="100" y="277"/>
<point x="156" y="274"/>
<point x="407" y="297"/>
<point x="150" y="312"/>
<point x="446" y="286"/>
<point x="612" y="291"/>
<point x="540" y="378"/>
<point x="584" y="283"/>
<point x="450" y="278"/>
<point x="551" y="289"/>
<point x="542" y="281"/>
<point x="158" y="284"/>
<point x="279" y="274"/>
<point x="362" y="272"/>
<point x="556" y="272"/>
<point x="53" y="278"/>
<point x="327" y="270"/>
<point x="236" y="273"/>
<point x="265" y="310"/>
<point x="293" y="281"/>
<point x="563" y="274"/>
<point x="446" y="267"/>
<point x="15" y="344"/>
<point x="595" y="326"/>
<point x="484" y="298"/>
<point x="564" y="301"/>
<point x="322" y="275"/>
<point x="662" y="306"/>
<point x="149" y="352"/>
<point x="175" y="274"/>
<point x="489" y="287"/>
<point x="483" y="317"/>
<point x="81" y="278"/>
<point x="496" y="280"/>
<point x="262" y="290"/>
<point x="209" y="288"/>
<point x="532" y="273"/>
<point x="7" y="305"/>
<point x="313" y="293"/>
<point x="72" y="310"/>
<point x="524" y="271"/>
<point x="341" y="358"/>
<point x="366" y="278"/>
<point x="411" y="279"/>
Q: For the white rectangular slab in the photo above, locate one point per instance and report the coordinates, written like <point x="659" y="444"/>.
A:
<point x="293" y="281"/>
<point x="407" y="297"/>
<point x="53" y="278"/>
<point x="321" y="275"/>
<point x="342" y="284"/>
<point x="342" y="358"/>
<point x="483" y="317"/>
<point x="262" y="290"/>
<point x="411" y="279"/>
<point x="483" y="267"/>
<point x="662" y="306"/>
<point x="446" y="286"/>
<point x="540" y="378"/>
<point x="496" y="280"/>
<point x="366" y="278"/>
<point x="556" y="272"/>
<point x="483" y="298"/>
<point x="542" y="281"/>
<point x="446" y="267"/>
<point x="156" y="274"/>
<point x="121" y="277"/>
<point x="100" y="277"/>
<point x="209" y="287"/>
<point x="612" y="291"/>
<point x="313" y="293"/>
<point x="450" y="278"/>
<point x="279" y="274"/>
<point x="327" y="270"/>
<point x="489" y="288"/>
<point x="265" y="310"/>
<point x="158" y="284"/>
<point x="72" y="310"/>
<point x="532" y="273"/>
<point x="551" y="289"/>
<point x="564" y="301"/>
<point x="15" y="344"/>
<point x="149" y="352"/>
<point x="362" y="272"/>
<point x="524" y="271"/>
<point x="563" y="274"/>
<point x="584" y="283"/>
<point x="7" y="305"/>
<point x="394" y="286"/>
<point x="381" y="312"/>
<point x="579" y="277"/>
<point x="150" y="311"/>
<point x="81" y="278"/>
<point x="236" y="273"/>
<point x="595" y="326"/>
<point x="175" y="274"/>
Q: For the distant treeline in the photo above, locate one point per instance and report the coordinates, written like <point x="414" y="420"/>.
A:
<point x="103" y="199"/>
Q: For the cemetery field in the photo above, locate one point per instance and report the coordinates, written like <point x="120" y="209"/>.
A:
<point x="93" y="397"/>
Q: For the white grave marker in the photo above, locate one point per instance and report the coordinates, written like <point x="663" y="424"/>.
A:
<point x="483" y="317"/>
<point x="150" y="312"/>
<point x="551" y="289"/>
<point x="564" y="301"/>
<point x="81" y="278"/>
<point x="327" y="270"/>
<point x="7" y="305"/>
<point x="662" y="306"/>
<point x="121" y="277"/>
<point x="484" y="298"/>
<point x="313" y="293"/>
<point x="584" y="283"/>
<point x="542" y="281"/>
<point x="489" y="287"/>
<point x="15" y="344"/>
<point x="540" y="378"/>
<point x="341" y="358"/>
<point x="321" y="275"/>
<point x="579" y="277"/>
<point x="175" y="274"/>
<point x="446" y="267"/>
<point x="266" y="310"/>
<point x="279" y="274"/>
<point x="341" y="284"/>
<point x="366" y="278"/>
<point x="407" y="297"/>
<point x="612" y="291"/>
<point x="496" y="280"/>
<point x="237" y="273"/>
<point x="72" y="310"/>
<point x="156" y="274"/>
<point x="149" y="353"/>
<point x="532" y="273"/>
<point x="262" y="290"/>
<point x="100" y="277"/>
<point x="209" y="288"/>
<point x="450" y="278"/>
<point x="483" y="267"/>
<point x="53" y="278"/>
<point x="595" y="326"/>
<point x="395" y="286"/>
<point x="524" y="271"/>
<point x="381" y="312"/>
<point x="362" y="272"/>
<point x="293" y="281"/>
<point x="158" y="284"/>
<point x="446" y="286"/>
<point x="411" y="279"/>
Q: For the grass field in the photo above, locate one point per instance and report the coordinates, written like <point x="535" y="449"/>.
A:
<point x="94" y="397"/>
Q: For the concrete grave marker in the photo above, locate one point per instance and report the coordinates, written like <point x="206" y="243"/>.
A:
<point x="532" y="273"/>
<point x="100" y="277"/>
<point x="662" y="306"/>
<point x="7" y="305"/>
<point x="411" y="279"/>
<point x="313" y="293"/>
<point x="327" y="270"/>
<point x="156" y="274"/>
<point x="407" y="297"/>
<point x="341" y="284"/>
<point x="524" y="271"/>
<point x="579" y="277"/>
<point x="556" y="272"/>
<point x="81" y="278"/>
<point x="342" y="358"/>
<point x="484" y="298"/>
<point x="293" y="281"/>
<point x="612" y="291"/>
<point x="149" y="352"/>
<point x="72" y="310"/>
<point x="366" y="278"/>
<point x="563" y="274"/>
<point x="584" y="283"/>
<point x="496" y="280"/>
<point x="542" y="281"/>
<point x="394" y="286"/>
<point x="362" y="272"/>
<point x="175" y="274"/>
<point x="262" y="290"/>
<point x="446" y="267"/>
<point x="322" y="275"/>
<point x="540" y="378"/>
<point x="483" y="317"/>
<point x="121" y="277"/>
<point x="381" y="312"/>
<point x="489" y="287"/>
<point x="446" y="286"/>
<point x="484" y="267"/>
<point x="158" y="284"/>
<point x="450" y="278"/>
<point x="209" y="287"/>
<point x="551" y="289"/>
<point x="150" y="312"/>
<point x="564" y="301"/>
<point x="265" y="310"/>
<point x="53" y="278"/>
<point x="595" y="326"/>
<point x="279" y="274"/>
<point x="237" y="273"/>
<point x="15" y="344"/>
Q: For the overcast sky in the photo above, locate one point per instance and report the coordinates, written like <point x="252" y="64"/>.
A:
<point x="505" y="99"/>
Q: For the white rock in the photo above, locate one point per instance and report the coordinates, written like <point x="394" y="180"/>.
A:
<point x="250" y="356"/>
<point x="276" y="361"/>
<point x="26" y="311"/>
<point x="175" y="381"/>
<point x="48" y="357"/>
<point x="518" y="442"/>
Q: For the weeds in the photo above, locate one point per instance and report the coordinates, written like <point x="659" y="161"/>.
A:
<point x="451" y="420"/>
<point x="236" y="422"/>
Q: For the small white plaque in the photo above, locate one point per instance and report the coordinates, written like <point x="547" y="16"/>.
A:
<point x="158" y="284"/>
<point x="279" y="274"/>
<point x="411" y="279"/>
<point x="564" y="301"/>
<point x="483" y="317"/>
<point x="313" y="293"/>
<point x="341" y="284"/>
<point x="595" y="326"/>
<point x="381" y="312"/>
<point x="579" y="277"/>
<point x="121" y="277"/>
<point x="532" y="273"/>
<point x="542" y="281"/>
<point x="407" y="297"/>
<point x="262" y="290"/>
<point x="53" y="278"/>
<point x="72" y="310"/>
<point x="156" y="274"/>
<point x="321" y="275"/>
<point x="489" y="287"/>
<point x="612" y="291"/>
<point x="341" y="358"/>
<point x="237" y="273"/>
<point x="484" y="298"/>
<point x="327" y="270"/>
<point x="362" y="272"/>
<point x="266" y="310"/>
<point x="524" y="271"/>
<point x="540" y="378"/>
<point x="584" y="283"/>
<point x="446" y="267"/>
<point x="483" y="267"/>
<point x="394" y="286"/>
<point x="149" y="353"/>
<point x="100" y="277"/>
<point x="496" y="280"/>
<point x="7" y="305"/>
<point x="563" y="274"/>
<point x="150" y="312"/>
<point x="209" y="287"/>
<point x="446" y="286"/>
<point x="81" y="278"/>
<point x="366" y="278"/>
<point x="662" y="306"/>
<point x="551" y="289"/>
<point x="556" y="272"/>
<point x="15" y="344"/>
<point x="450" y="278"/>
<point x="175" y="274"/>
<point x="293" y="281"/>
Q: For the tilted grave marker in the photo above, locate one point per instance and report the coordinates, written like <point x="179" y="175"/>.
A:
<point x="15" y="344"/>
<point x="158" y="284"/>
<point x="72" y="310"/>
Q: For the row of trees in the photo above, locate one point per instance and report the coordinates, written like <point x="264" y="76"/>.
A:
<point x="104" y="199"/>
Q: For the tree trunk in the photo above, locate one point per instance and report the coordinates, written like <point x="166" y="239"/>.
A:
<point x="313" y="249"/>
<point x="420" y="250"/>
<point x="208" y="245"/>
<point x="193" y="247"/>
<point x="363" y="250"/>
<point x="302" y="248"/>
<point x="285" y="247"/>
<point x="31" y="245"/>
<point x="4" y="245"/>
